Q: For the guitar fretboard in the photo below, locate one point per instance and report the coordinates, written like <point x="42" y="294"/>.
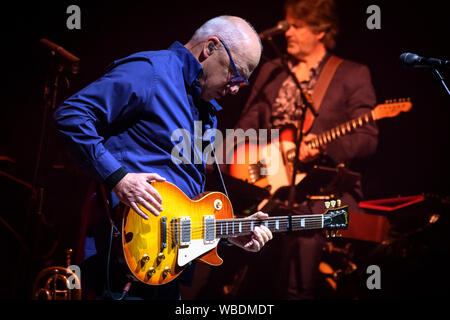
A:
<point x="237" y="227"/>
<point x="340" y="131"/>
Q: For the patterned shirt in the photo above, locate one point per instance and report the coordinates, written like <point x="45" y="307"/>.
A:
<point x="283" y="109"/>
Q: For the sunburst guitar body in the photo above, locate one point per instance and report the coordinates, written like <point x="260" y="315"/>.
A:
<point x="157" y="250"/>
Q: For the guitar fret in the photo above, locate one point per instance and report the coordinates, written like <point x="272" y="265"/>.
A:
<point x="360" y="121"/>
<point x="348" y="127"/>
<point x="281" y="224"/>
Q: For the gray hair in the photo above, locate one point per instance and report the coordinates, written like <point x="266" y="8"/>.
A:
<point x="229" y="30"/>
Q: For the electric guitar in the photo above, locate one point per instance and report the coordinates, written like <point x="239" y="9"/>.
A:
<point x="156" y="251"/>
<point x="270" y="165"/>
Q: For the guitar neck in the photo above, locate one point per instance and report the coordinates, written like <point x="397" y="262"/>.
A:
<point x="239" y="227"/>
<point x="341" y="130"/>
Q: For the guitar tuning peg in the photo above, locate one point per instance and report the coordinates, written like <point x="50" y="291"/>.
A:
<point x="333" y="203"/>
<point x="338" y="202"/>
<point x="327" y="204"/>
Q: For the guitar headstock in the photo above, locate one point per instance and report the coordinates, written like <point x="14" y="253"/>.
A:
<point x="335" y="218"/>
<point x="391" y="108"/>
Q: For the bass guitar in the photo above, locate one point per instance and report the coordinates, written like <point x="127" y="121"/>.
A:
<point x="156" y="251"/>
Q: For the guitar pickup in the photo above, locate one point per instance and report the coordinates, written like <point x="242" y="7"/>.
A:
<point x="209" y="229"/>
<point x="185" y="231"/>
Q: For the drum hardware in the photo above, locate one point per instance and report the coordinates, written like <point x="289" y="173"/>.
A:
<point x="348" y="267"/>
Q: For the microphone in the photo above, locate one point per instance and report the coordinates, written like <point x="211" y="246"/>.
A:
<point x="60" y="50"/>
<point x="281" y="27"/>
<point x="415" y="61"/>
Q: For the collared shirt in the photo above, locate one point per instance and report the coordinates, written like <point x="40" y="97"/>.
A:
<point x="127" y="119"/>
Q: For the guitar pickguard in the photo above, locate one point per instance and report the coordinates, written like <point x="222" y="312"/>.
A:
<point x="194" y="250"/>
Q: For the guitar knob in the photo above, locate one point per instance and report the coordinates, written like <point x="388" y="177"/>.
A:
<point x="338" y="233"/>
<point x="333" y="203"/>
<point x="327" y="204"/>
<point x="150" y="272"/>
<point x="166" y="272"/>
<point x="145" y="258"/>
<point x="338" y="202"/>
<point x="327" y="234"/>
<point x="333" y="233"/>
<point x="160" y="257"/>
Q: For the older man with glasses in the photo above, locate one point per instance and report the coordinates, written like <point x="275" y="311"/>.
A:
<point x="120" y="129"/>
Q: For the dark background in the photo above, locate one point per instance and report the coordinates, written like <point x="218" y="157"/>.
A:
<point x="411" y="157"/>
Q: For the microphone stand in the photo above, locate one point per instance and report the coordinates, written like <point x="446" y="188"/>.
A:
<point x="441" y="79"/>
<point x="307" y="104"/>
<point x="58" y="67"/>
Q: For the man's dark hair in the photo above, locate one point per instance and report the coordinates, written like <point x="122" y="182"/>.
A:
<point x="319" y="15"/>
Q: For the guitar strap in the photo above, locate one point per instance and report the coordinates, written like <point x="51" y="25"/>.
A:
<point x="220" y="178"/>
<point x="328" y="71"/>
<point x="219" y="173"/>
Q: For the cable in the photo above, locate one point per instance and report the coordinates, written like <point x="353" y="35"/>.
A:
<point x="108" y="288"/>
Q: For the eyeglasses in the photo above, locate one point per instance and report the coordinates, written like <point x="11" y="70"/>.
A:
<point x="237" y="80"/>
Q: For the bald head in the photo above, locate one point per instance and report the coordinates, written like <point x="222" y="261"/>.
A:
<point x="238" y="35"/>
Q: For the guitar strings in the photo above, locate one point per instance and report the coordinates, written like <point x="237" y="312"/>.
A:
<point x="218" y="223"/>
<point x="244" y="228"/>
<point x="247" y="225"/>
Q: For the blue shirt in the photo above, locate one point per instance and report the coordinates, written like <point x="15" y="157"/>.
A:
<point x="126" y="118"/>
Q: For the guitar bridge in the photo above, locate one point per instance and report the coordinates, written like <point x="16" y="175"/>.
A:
<point x="174" y="227"/>
<point x="163" y="233"/>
